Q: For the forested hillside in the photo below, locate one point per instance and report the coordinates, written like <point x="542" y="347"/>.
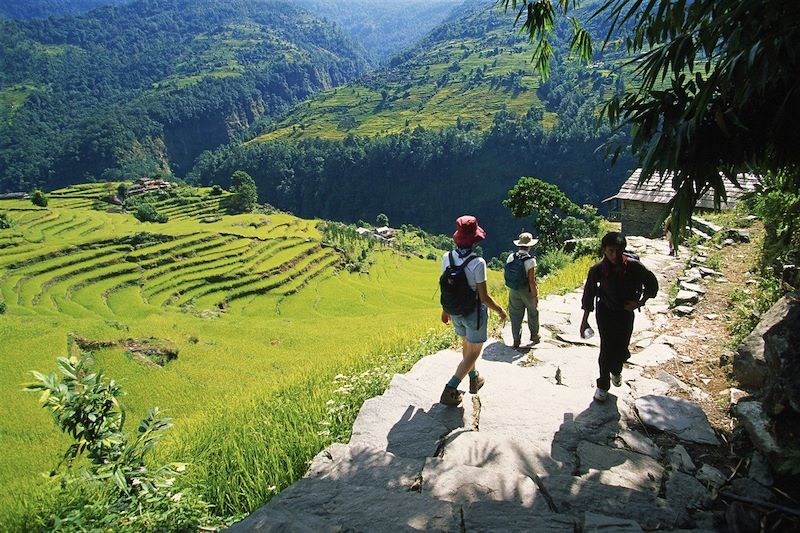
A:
<point x="30" y="9"/>
<point x="448" y="127"/>
<point x="383" y="28"/>
<point x="145" y="87"/>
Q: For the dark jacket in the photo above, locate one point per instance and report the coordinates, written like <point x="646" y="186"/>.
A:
<point x="612" y="284"/>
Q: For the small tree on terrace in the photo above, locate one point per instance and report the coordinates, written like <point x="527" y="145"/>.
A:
<point x="38" y="198"/>
<point x="381" y="220"/>
<point x="557" y="218"/>
<point x="245" y="193"/>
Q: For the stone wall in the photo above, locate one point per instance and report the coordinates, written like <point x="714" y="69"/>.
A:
<point x="639" y="218"/>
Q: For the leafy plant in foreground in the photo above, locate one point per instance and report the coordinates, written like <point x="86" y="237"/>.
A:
<point x="114" y="487"/>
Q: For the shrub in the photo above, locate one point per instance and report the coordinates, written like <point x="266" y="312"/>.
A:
<point x="109" y="480"/>
<point x="5" y="222"/>
<point x="245" y="194"/>
<point x="552" y="261"/>
<point x="216" y="190"/>
<point x="2" y="308"/>
<point x="148" y="213"/>
<point x="38" y="198"/>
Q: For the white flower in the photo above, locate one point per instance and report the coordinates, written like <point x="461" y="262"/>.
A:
<point x="177" y="497"/>
<point x="168" y="482"/>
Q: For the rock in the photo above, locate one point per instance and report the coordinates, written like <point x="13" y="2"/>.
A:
<point x="742" y="518"/>
<point x="670" y="340"/>
<point x="653" y="355"/>
<point x="782" y="356"/>
<point x="683" y="489"/>
<point x="751" y="489"/>
<point x="728" y="242"/>
<point x="759" y="470"/>
<point x="671" y="380"/>
<point x="752" y="417"/>
<point x="736" y="395"/>
<point x="694" y="287"/>
<point x="453" y="482"/>
<point x="711" y="476"/>
<point x="679" y="459"/>
<point x="597" y="523"/>
<point x="709" y="272"/>
<point x="749" y="363"/>
<point x="737" y="235"/>
<point x="577" y="496"/>
<point x="501" y="517"/>
<point x="364" y="465"/>
<point x="620" y="468"/>
<point x="701" y="234"/>
<point x="638" y="443"/>
<point x="683" y="310"/>
<point x="679" y="417"/>
<point x="643" y="343"/>
<point x="706" y="226"/>
<point x="685" y="297"/>
<point x="330" y="506"/>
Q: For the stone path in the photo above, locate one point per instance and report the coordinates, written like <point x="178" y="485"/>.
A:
<point x="531" y="452"/>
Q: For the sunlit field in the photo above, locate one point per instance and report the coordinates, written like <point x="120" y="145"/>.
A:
<point x="259" y="308"/>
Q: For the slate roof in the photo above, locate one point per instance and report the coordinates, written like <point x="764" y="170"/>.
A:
<point x="658" y="190"/>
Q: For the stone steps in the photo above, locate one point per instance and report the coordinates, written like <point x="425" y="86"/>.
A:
<point x="530" y="452"/>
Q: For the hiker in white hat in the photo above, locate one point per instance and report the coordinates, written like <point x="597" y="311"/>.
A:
<point x="523" y="294"/>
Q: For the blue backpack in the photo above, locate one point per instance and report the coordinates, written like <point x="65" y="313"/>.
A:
<point x="515" y="274"/>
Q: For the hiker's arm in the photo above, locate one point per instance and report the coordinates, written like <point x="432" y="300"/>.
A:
<point x="489" y="302"/>
<point x="532" y="285"/>
<point x="587" y="303"/>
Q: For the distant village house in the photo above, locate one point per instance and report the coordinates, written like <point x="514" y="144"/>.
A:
<point x="640" y="207"/>
<point x="146" y="185"/>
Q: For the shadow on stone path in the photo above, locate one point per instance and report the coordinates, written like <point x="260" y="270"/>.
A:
<point x="531" y="452"/>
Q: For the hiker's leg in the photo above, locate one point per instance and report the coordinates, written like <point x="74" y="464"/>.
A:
<point x="621" y="350"/>
<point x="533" y="316"/>
<point x="516" y="310"/>
<point x="469" y="355"/>
<point x="606" y="331"/>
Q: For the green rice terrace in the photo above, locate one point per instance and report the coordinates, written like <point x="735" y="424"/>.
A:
<point x="234" y="325"/>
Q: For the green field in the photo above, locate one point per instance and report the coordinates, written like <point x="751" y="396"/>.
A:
<point x="257" y="305"/>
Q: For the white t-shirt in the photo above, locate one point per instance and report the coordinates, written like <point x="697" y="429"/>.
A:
<point x="475" y="270"/>
<point x="529" y="263"/>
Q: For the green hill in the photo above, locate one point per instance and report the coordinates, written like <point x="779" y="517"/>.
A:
<point x="29" y="9"/>
<point x="123" y="91"/>
<point x="253" y="304"/>
<point x="446" y="129"/>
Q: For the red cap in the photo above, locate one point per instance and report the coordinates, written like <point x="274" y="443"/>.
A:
<point x="468" y="232"/>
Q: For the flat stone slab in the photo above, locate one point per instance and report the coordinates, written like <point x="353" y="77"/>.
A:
<point x="653" y="355"/>
<point x="598" y="523"/>
<point x="679" y="417"/>
<point x="364" y="465"/>
<point x="622" y="468"/>
<point x="502" y="517"/>
<point x="638" y="443"/>
<point x="694" y="287"/>
<point x="454" y="482"/>
<point x="679" y="459"/>
<point x="683" y="489"/>
<point x="573" y="495"/>
<point x="330" y="506"/>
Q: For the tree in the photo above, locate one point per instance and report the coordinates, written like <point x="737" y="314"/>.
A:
<point x="716" y="88"/>
<point x="38" y="198"/>
<point x="557" y="218"/>
<point x="245" y="193"/>
<point x="381" y="220"/>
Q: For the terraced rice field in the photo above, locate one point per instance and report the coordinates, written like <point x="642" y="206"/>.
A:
<point x="251" y="301"/>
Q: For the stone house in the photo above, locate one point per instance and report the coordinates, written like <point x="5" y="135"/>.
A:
<point x="640" y="207"/>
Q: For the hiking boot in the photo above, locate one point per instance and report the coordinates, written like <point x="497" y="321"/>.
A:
<point x="516" y="344"/>
<point x="451" y="396"/>
<point x="600" y="395"/>
<point x="616" y="380"/>
<point x="536" y="340"/>
<point x="476" y="384"/>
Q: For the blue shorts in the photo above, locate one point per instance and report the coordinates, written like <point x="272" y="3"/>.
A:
<point x="473" y="325"/>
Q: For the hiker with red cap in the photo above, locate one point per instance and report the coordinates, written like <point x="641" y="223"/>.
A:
<point x="465" y="300"/>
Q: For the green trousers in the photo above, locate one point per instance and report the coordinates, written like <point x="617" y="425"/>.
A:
<point x="520" y="300"/>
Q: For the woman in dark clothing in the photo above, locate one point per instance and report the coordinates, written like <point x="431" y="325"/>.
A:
<point x="619" y="284"/>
